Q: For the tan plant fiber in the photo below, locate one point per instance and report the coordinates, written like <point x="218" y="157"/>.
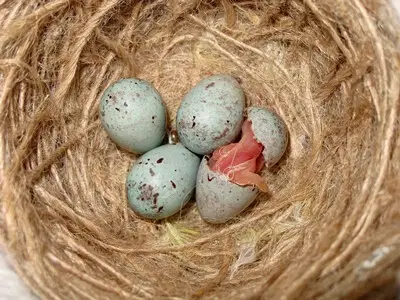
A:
<point x="330" y="226"/>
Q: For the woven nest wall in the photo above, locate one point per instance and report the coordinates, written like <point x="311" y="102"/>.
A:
<point x="329" y="227"/>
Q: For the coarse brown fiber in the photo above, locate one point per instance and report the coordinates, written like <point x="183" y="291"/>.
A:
<point x="329" y="227"/>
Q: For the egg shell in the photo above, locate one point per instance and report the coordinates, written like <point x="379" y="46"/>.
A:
<point x="219" y="200"/>
<point x="162" y="181"/>
<point x="133" y="114"/>
<point x="270" y="130"/>
<point x="211" y="114"/>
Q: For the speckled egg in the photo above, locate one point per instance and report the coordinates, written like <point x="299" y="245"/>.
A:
<point x="269" y="130"/>
<point x="133" y="114"/>
<point x="162" y="181"/>
<point x="211" y="114"/>
<point x="219" y="200"/>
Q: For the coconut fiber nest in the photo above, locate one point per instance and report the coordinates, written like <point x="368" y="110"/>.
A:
<point x="328" y="228"/>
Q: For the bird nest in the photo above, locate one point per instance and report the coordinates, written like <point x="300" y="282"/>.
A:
<point x="327" y="229"/>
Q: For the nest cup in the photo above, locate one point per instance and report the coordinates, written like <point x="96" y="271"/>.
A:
<point x="328" y="229"/>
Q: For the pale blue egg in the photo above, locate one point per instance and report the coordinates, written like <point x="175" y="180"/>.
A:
<point x="270" y="130"/>
<point x="162" y="181"/>
<point x="133" y="114"/>
<point x="219" y="200"/>
<point x="211" y="114"/>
